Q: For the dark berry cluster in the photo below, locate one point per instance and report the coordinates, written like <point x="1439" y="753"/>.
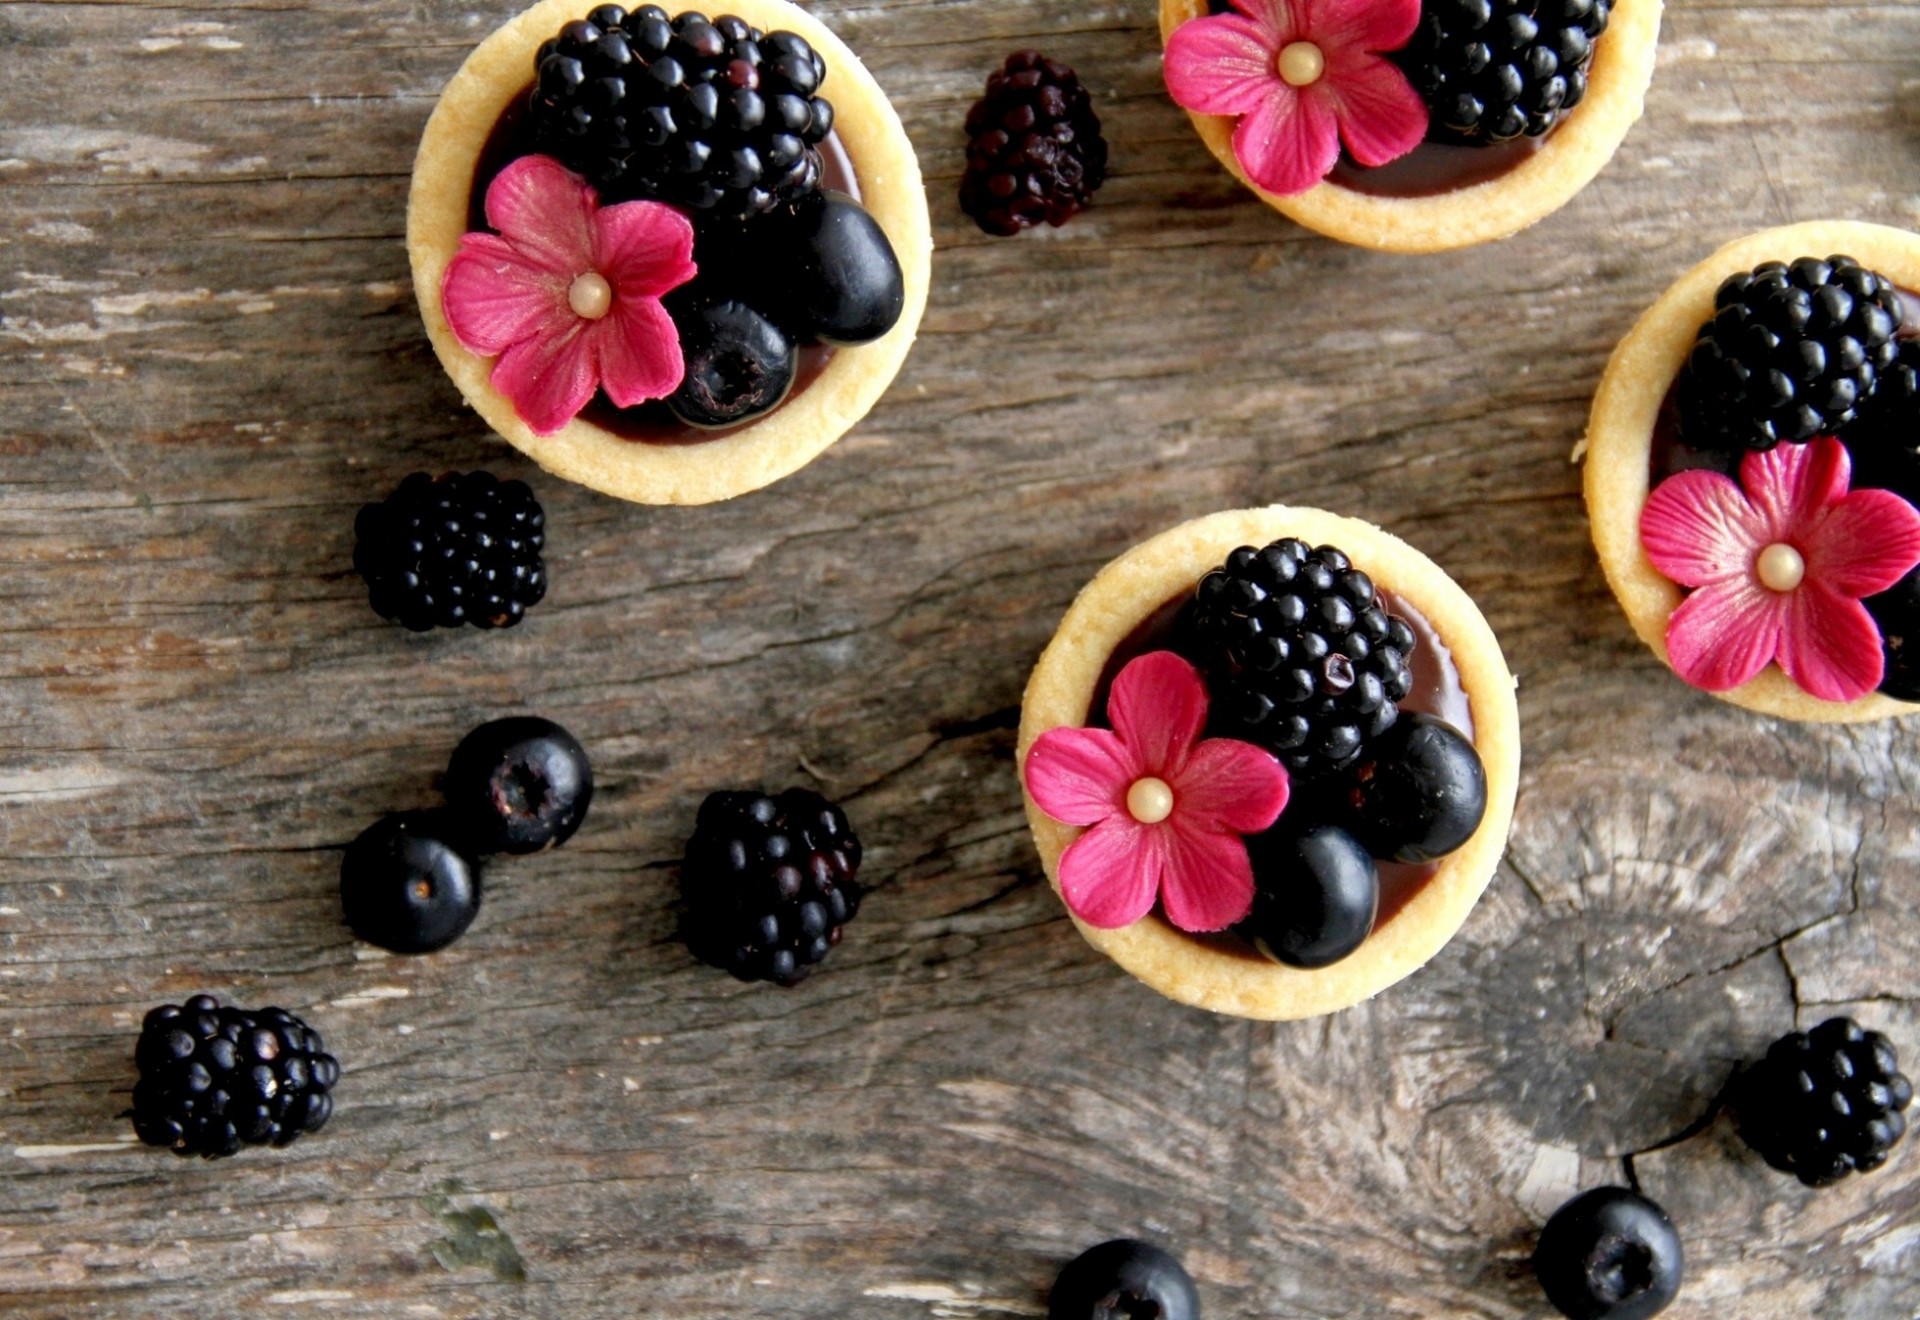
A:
<point x="1492" y="70"/>
<point x="711" y="115"/>
<point x="768" y="883"/>
<point x="1034" y="149"/>
<point x="460" y="548"/>
<point x="213" y="1078"/>
<point x="1824" y="1103"/>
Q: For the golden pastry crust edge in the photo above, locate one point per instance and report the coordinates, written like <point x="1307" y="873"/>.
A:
<point x="1567" y="161"/>
<point x="704" y="471"/>
<point x="1620" y="435"/>
<point x="1127" y="592"/>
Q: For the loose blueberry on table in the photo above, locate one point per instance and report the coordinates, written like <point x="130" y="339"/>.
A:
<point x="1124" y="1279"/>
<point x="517" y="785"/>
<point x="460" y="548"/>
<point x="1824" y="1104"/>
<point x="1609" y="1254"/>
<point x="1034" y="149"/>
<point x="404" y="887"/>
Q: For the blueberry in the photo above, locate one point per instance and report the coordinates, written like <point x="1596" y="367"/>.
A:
<point x="838" y="279"/>
<point x="518" y="785"/>
<point x="1123" y="1279"/>
<point x="1417" y="792"/>
<point x="1609" y="1254"/>
<point x="1316" y="893"/>
<point x="739" y="364"/>
<point x="404" y="888"/>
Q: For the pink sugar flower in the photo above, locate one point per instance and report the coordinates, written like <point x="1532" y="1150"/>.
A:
<point x="567" y="294"/>
<point x="1779" y="563"/>
<point x="1301" y="75"/>
<point x="1165" y="810"/>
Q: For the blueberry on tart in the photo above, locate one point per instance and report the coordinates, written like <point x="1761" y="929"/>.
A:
<point x="670" y="254"/>
<point x="1269" y="760"/>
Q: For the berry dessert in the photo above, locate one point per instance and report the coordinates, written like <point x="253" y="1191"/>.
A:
<point x="1122" y="1280"/>
<point x="1270" y="759"/>
<point x="671" y="255"/>
<point x="517" y="785"/>
<point x="1824" y="1103"/>
<point x="1034" y="149"/>
<point x="459" y="548"/>
<point x="213" y="1078"/>
<point x="769" y="883"/>
<point x="1412" y="125"/>
<point x="1753" y="478"/>
<point x="1609" y="1254"/>
<point x="405" y="888"/>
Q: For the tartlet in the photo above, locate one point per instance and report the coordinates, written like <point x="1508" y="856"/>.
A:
<point x="495" y="75"/>
<point x="1220" y="973"/>
<point x="1618" y="445"/>
<point x="1568" y="159"/>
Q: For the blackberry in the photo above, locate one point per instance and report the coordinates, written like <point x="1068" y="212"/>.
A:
<point x="1824" y="1103"/>
<point x="1299" y="651"/>
<point x="1883" y="441"/>
<point x="460" y="548"/>
<point x="1492" y="70"/>
<point x="1034" y="150"/>
<point x="212" y="1078"/>
<point x="1792" y="352"/>
<point x="769" y="883"/>
<point x="711" y="115"/>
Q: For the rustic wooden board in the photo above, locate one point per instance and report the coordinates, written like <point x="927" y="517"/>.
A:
<point x="209" y="357"/>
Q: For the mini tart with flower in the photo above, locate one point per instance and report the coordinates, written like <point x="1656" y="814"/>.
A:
<point x="1412" y="125"/>
<point x="672" y="257"/>
<point x="1269" y="761"/>
<point x="1752" y="471"/>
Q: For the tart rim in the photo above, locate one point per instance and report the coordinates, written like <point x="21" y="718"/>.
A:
<point x="493" y="75"/>
<point x="1127" y="592"/>
<point x="1573" y="154"/>
<point x="1619" y="439"/>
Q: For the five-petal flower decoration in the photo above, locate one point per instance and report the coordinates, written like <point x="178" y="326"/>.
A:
<point x="1778" y="563"/>
<point x="1165" y="809"/>
<point x="567" y="293"/>
<point x="1301" y="76"/>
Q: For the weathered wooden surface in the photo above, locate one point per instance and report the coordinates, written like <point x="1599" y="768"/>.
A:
<point x="209" y="357"/>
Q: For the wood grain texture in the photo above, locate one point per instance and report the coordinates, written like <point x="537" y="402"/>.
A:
<point x="209" y="357"/>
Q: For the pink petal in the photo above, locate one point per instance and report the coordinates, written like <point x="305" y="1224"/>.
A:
<point x="493" y="297"/>
<point x="1288" y="142"/>
<point x="644" y="249"/>
<point x="637" y="350"/>
<point x="548" y="378"/>
<point x="1791" y="484"/>
<point x="1361" y="25"/>
<point x="1865" y="544"/>
<point x="1080" y="776"/>
<point x="546" y="211"/>
<point x="1208" y="881"/>
<point x="1725" y="633"/>
<point x="1830" y="646"/>
<point x="1277" y="21"/>
<point x="1158" y="706"/>
<point x="1698" y="528"/>
<point x="1220" y="65"/>
<point x="1230" y="785"/>
<point x="1110" y="875"/>
<point x="1381" y="117"/>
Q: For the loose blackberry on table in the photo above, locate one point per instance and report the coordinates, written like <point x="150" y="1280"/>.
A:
<point x="1034" y="151"/>
<point x="444" y="551"/>
<point x="1494" y="70"/>
<point x="1825" y="1103"/>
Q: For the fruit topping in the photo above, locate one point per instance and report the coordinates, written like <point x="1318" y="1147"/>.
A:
<point x="769" y="883"/>
<point x="518" y="785"/>
<point x="1316" y="892"/>
<point x="839" y="281"/>
<point x="1896" y="613"/>
<point x="405" y="888"/>
<point x="1417" y="792"/>
<point x="1792" y="352"/>
<point x="739" y="364"/>
<point x="212" y="1078"/>
<point x="1301" y="655"/>
<point x="713" y="116"/>
<point x="1825" y="1103"/>
<point x="1124" y="1280"/>
<point x="1034" y="149"/>
<point x="460" y="548"/>
<point x="1164" y="810"/>
<point x="1492" y="70"/>
<point x="1609" y="1254"/>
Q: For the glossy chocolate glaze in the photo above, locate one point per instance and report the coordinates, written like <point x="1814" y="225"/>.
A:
<point x="650" y="423"/>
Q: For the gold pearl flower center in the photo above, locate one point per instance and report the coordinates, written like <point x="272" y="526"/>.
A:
<point x="1149" y="801"/>
<point x="1780" y="567"/>
<point x="1301" y="63"/>
<point x="590" y="296"/>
